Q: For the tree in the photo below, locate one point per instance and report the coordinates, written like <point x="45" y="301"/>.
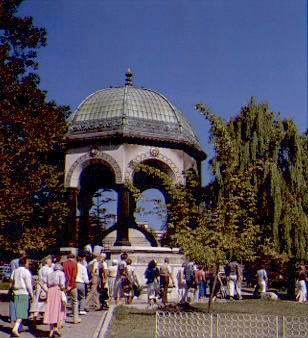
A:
<point x="205" y="235"/>
<point x="272" y="156"/>
<point x="224" y="220"/>
<point x="256" y="203"/>
<point x="31" y="139"/>
<point x="99" y="216"/>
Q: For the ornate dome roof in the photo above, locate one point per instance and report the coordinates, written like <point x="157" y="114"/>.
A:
<point x="134" y="112"/>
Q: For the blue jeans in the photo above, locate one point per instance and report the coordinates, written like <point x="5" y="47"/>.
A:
<point x="202" y="289"/>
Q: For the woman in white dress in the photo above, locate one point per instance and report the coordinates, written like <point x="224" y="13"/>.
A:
<point x="40" y="299"/>
<point x="181" y="282"/>
<point x="301" y="296"/>
<point x="262" y="279"/>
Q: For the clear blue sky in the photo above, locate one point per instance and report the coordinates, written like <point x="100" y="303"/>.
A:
<point x="220" y="52"/>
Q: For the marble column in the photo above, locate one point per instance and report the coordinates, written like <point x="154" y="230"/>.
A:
<point x="124" y="217"/>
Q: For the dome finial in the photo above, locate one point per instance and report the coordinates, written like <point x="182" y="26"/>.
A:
<point x="129" y="77"/>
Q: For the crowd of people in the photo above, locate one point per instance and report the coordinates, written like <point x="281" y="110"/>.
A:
<point x="90" y="284"/>
<point x="201" y="278"/>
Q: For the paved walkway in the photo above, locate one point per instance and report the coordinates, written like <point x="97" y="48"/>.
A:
<point x="93" y="325"/>
<point x="90" y="326"/>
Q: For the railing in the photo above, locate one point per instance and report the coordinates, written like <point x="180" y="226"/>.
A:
<point x="228" y="325"/>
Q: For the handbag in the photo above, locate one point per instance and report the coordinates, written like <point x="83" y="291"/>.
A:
<point x="43" y="296"/>
<point x="42" y="292"/>
<point x="64" y="298"/>
<point x="137" y="289"/>
<point x="10" y="294"/>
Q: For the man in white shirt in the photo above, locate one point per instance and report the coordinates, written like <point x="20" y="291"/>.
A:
<point x="21" y="281"/>
<point x="82" y="280"/>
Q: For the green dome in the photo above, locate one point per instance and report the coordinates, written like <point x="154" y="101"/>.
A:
<point x="129" y="111"/>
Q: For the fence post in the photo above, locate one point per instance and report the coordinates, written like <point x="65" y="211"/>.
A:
<point x="283" y="332"/>
<point x="277" y="326"/>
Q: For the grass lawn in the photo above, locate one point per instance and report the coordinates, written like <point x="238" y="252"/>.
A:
<point x="257" y="306"/>
<point x="130" y="322"/>
<point x="4" y="285"/>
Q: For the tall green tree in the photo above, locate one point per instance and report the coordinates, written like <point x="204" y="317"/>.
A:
<point x="272" y="155"/>
<point x="224" y="221"/>
<point x="206" y="234"/>
<point x="32" y="133"/>
<point x="256" y="203"/>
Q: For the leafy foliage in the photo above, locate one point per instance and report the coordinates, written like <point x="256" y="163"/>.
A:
<point x="191" y="224"/>
<point x="270" y="158"/>
<point x="99" y="215"/>
<point x="31" y="139"/>
<point x="256" y="204"/>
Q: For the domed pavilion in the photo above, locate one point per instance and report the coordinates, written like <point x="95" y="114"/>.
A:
<point x="111" y="129"/>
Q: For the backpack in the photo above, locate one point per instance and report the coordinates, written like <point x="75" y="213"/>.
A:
<point x="189" y="271"/>
<point x="151" y="274"/>
<point x="190" y="276"/>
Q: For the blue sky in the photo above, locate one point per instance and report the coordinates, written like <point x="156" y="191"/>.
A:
<point x="220" y="52"/>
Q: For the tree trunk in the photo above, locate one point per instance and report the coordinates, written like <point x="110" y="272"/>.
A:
<point x="212" y="294"/>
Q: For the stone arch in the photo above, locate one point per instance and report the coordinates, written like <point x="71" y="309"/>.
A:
<point x="155" y="155"/>
<point x="73" y="174"/>
<point x="147" y="234"/>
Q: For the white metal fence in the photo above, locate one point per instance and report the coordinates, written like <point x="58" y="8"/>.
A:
<point x="236" y="325"/>
<point x="228" y="325"/>
<point x="295" y="327"/>
<point x="183" y="324"/>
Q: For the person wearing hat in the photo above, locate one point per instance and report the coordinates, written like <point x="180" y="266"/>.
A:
<point x="55" y="310"/>
<point x="70" y="270"/>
